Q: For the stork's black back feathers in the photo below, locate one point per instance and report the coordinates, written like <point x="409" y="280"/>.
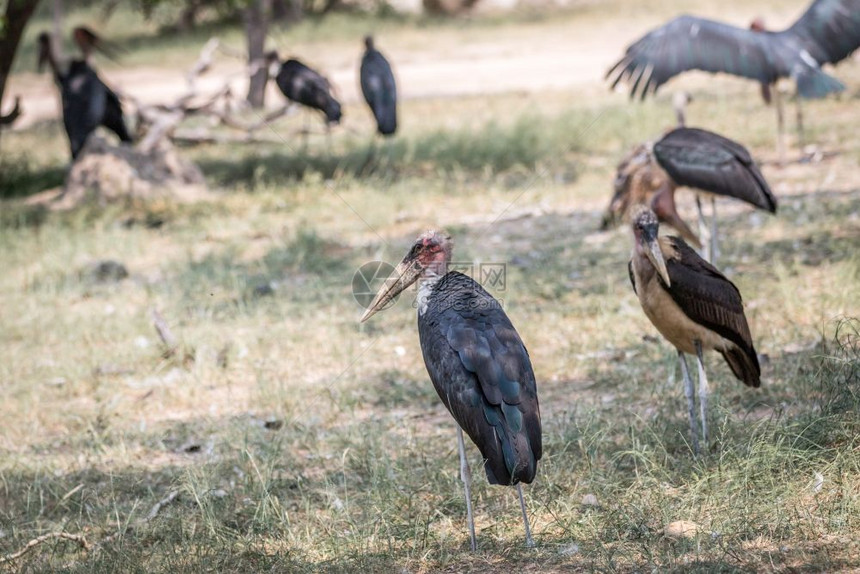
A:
<point x="827" y="32"/>
<point x="305" y="86"/>
<point x="704" y="160"/>
<point x="87" y="104"/>
<point x="379" y="89"/>
<point x="708" y="298"/>
<point x="482" y="372"/>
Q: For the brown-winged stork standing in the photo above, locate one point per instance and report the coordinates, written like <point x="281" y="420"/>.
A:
<point x="379" y="88"/>
<point x="694" y="158"/>
<point x="694" y="306"/>
<point x="828" y="32"/>
<point x="478" y="364"/>
<point x="87" y="101"/>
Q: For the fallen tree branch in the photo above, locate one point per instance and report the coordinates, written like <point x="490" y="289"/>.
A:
<point x="79" y="538"/>
<point x="203" y="63"/>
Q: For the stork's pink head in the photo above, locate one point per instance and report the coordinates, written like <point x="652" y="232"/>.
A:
<point x="428" y="257"/>
<point x="757" y="25"/>
<point x="432" y="250"/>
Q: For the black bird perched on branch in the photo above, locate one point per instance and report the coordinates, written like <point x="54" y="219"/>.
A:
<point x="694" y="158"/>
<point x="694" y="307"/>
<point x="87" y="101"/>
<point x="379" y="89"/>
<point x="305" y="86"/>
<point x="478" y="364"/>
<point x="827" y="33"/>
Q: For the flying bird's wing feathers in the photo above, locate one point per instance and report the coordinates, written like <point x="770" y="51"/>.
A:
<point x="704" y="160"/>
<point x="690" y="43"/>
<point x="829" y="30"/>
<point x="483" y="374"/>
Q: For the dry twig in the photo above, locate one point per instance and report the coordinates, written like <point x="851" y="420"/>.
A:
<point x="164" y="332"/>
<point x="79" y="538"/>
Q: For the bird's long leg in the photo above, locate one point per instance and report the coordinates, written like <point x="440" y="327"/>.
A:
<point x="466" y="477"/>
<point x="715" y="253"/>
<point x="801" y="135"/>
<point x="529" y="540"/>
<point x="780" y="126"/>
<point x="703" y="393"/>
<point x="703" y="230"/>
<point x="691" y="401"/>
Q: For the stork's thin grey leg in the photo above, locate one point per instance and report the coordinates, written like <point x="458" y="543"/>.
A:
<point x="529" y="540"/>
<point x="305" y="131"/>
<point x="466" y="476"/>
<point x="780" y="125"/>
<point x="704" y="233"/>
<point x="691" y="401"/>
<point x="801" y="136"/>
<point x="703" y="394"/>
<point x="715" y="253"/>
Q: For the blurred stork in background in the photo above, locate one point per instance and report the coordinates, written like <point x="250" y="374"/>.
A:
<point x="478" y="364"/>
<point x="378" y="87"/>
<point x="87" y="101"/>
<point x="694" y="306"/>
<point x="828" y="32"/>
<point x="694" y="158"/>
<point x="305" y="86"/>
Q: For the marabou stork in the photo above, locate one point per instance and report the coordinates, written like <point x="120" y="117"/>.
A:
<point x="305" y="86"/>
<point x="378" y="87"/>
<point x="826" y="33"/>
<point x="693" y="306"/>
<point x="87" y="101"/>
<point x="478" y="364"/>
<point x="688" y="157"/>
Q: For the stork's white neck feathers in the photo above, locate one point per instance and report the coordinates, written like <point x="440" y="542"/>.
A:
<point x="426" y="284"/>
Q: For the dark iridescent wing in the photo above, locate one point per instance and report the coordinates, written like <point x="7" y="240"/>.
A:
<point x="708" y="298"/>
<point x="113" y="117"/>
<point x="829" y="30"/>
<point x="704" y="160"/>
<point x="690" y="43"/>
<point x="483" y="374"/>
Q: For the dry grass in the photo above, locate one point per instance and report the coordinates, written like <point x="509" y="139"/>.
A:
<point x="298" y="440"/>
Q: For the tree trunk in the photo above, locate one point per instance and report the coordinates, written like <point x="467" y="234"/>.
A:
<point x="18" y="13"/>
<point x="188" y="16"/>
<point x="255" y="26"/>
